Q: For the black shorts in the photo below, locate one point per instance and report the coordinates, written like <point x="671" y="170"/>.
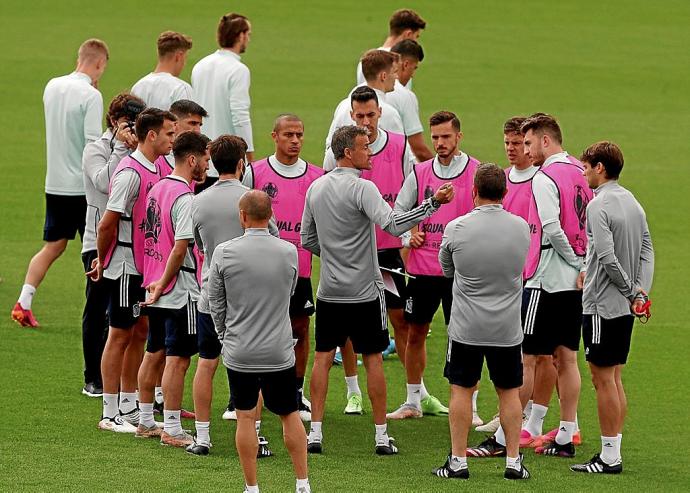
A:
<point x="207" y="337"/>
<point x="364" y="323"/>
<point x="65" y="216"/>
<point x="173" y="329"/>
<point x="464" y="365"/>
<point x="279" y="389"/>
<point x="424" y="295"/>
<point x="125" y="294"/>
<point x="391" y="259"/>
<point x="302" y="302"/>
<point x="607" y="341"/>
<point x="200" y="187"/>
<point x="550" y="320"/>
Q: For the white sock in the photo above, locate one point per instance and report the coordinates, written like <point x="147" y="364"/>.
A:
<point x="251" y="489"/>
<point x="618" y="445"/>
<point x="352" y="386"/>
<point x="414" y="394"/>
<point x="609" y="447"/>
<point x="457" y="463"/>
<point x="577" y="423"/>
<point x="536" y="420"/>
<point x="26" y="296"/>
<point x="171" y="422"/>
<point x="565" y="432"/>
<point x="500" y="436"/>
<point x="159" y="395"/>
<point x="513" y="462"/>
<point x="257" y="427"/>
<point x="304" y="484"/>
<point x="203" y="435"/>
<point x="527" y="411"/>
<point x="315" y="431"/>
<point x="381" y="433"/>
<point x="110" y="409"/>
<point x="474" y="401"/>
<point x="423" y="392"/>
<point x="146" y="414"/>
<point x="128" y="402"/>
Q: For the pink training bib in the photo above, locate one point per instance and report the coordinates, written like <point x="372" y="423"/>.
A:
<point x="424" y="260"/>
<point x="288" y="196"/>
<point x="162" y="161"/>
<point x="517" y="200"/>
<point x="388" y="174"/>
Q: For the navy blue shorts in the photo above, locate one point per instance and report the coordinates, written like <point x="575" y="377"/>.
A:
<point x="207" y="337"/>
<point x="173" y="329"/>
<point x="65" y="216"/>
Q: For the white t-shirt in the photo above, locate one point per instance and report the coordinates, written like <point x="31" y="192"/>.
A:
<point x="74" y="116"/>
<point x="161" y="89"/>
<point x="405" y="102"/>
<point x="285" y="170"/>
<point x="360" y="75"/>
<point x="522" y="175"/>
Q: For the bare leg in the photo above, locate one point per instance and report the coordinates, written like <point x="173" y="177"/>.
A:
<point x="318" y="385"/>
<point x="300" y="331"/>
<point x="133" y="355"/>
<point x="349" y="359"/>
<point x="400" y="331"/>
<point x="376" y="386"/>
<point x="622" y="399"/>
<point x="296" y="443"/>
<point x="202" y="389"/>
<point x="173" y="381"/>
<point x="247" y="445"/>
<point x="511" y="418"/>
<point x="608" y="402"/>
<point x="545" y="380"/>
<point x="459" y="418"/>
<point x="415" y="355"/>
<point x="529" y="363"/>
<point x="148" y="373"/>
<point x="41" y="262"/>
<point x="111" y="363"/>
<point x="568" y="382"/>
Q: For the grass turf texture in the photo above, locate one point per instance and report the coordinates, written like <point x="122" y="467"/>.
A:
<point x="608" y="71"/>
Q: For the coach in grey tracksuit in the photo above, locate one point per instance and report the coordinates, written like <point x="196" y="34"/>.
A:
<point x="340" y="212"/>
<point x="484" y="252"/>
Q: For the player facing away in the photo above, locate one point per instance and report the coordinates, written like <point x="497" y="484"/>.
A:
<point x="121" y="245"/>
<point x="484" y="253"/>
<point x="617" y="276"/>
<point x="429" y="288"/>
<point x="250" y="283"/>
<point x="162" y="87"/>
<point x="170" y="277"/>
<point x="286" y="177"/>
<point x="73" y="112"/>
<point x="340" y="212"/>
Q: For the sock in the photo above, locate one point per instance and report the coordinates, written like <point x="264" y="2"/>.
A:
<point x="257" y="426"/>
<point x="26" y="296"/>
<point x="381" y="433"/>
<point x="315" y="431"/>
<point x="536" y="420"/>
<point x="513" y="463"/>
<point x="609" y="445"/>
<point x="203" y="435"/>
<point x="146" y="414"/>
<point x="159" y="395"/>
<point x="423" y="392"/>
<point x="352" y="386"/>
<point x="128" y="402"/>
<point x="618" y="445"/>
<point x="500" y="436"/>
<point x="474" y="401"/>
<point x="171" y="422"/>
<point x="527" y="411"/>
<point x="110" y="405"/>
<point x="577" y="423"/>
<point x="457" y="463"/>
<point x="414" y="396"/>
<point x="565" y="432"/>
<point x="251" y="489"/>
<point x="304" y="484"/>
<point x="300" y="387"/>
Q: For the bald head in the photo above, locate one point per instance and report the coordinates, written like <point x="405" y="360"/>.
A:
<point x="256" y="204"/>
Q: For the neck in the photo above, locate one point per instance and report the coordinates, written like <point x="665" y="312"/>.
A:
<point x="285" y="159"/>
<point x="256" y="223"/>
<point x="345" y="163"/>
<point x="391" y="41"/>
<point x="604" y="181"/>
<point x="522" y="165"/>
<point x="373" y="135"/>
<point x="479" y="201"/>
<point x="87" y="69"/>
<point x="148" y="152"/>
<point x="183" y="172"/>
<point x="235" y="49"/>
<point x="228" y="176"/>
<point x="165" y="66"/>
<point x="377" y="84"/>
<point x="551" y="151"/>
<point x="445" y="161"/>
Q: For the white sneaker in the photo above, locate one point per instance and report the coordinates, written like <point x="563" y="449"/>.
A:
<point x="230" y="415"/>
<point x="476" y="420"/>
<point x="491" y="426"/>
<point x="405" y="411"/>
<point x="116" y="424"/>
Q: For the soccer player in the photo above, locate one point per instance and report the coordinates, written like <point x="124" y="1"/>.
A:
<point x="617" y="278"/>
<point x="285" y="177"/>
<point x="340" y="212"/>
<point x="100" y="159"/>
<point x="429" y="288"/>
<point x="484" y="253"/>
<point x="170" y="277"/>
<point x="73" y="112"/>
<point x="162" y="87"/>
<point x="251" y="281"/>
<point x="221" y="85"/>
<point x="405" y="101"/>
<point x="403" y="24"/>
<point x="121" y="249"/>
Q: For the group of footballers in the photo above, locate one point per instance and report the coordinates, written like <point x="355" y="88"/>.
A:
<point x="175" y="247"/>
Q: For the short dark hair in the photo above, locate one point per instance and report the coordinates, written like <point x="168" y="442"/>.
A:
<point x="226" y="152"/>
<point x="490" y="181"/>
<point x="230" y="27"/>
<point x="344" y="138"/>
<point x="404" y="19"/>
<point x="285" y="117"/>
<point x="151" y="119"/>
<point x="445" y="116"/>
<point x="185" y="107"/>
<point x="513" y="125"/>
<point x="542" y="123"/>
<point x="376" y="61"/>
<point x="257" y="205"/>
<point x="606" y="153"/>
<point x="116" y="109"/>
<point x="409" y="48"/>
<point x="169" y="42"/>
<point x="189" y="143"/>
<point x="363" y="94"/>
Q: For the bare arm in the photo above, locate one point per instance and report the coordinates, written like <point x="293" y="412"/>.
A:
<point x="419" y="147"/>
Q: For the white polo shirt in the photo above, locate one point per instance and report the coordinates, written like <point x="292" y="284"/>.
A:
<point x="74" y="116"/>
<point x="360" y="75"/>
<point x="405" y="102"/>
<point x="161" y="89"/>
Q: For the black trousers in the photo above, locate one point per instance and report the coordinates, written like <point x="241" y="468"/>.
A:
<point x="94" y="324"/>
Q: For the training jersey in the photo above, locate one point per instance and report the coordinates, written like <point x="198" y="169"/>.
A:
<point x="74" y="115"/>
<point x="519" y="196"/>
<point x="484" y="252"/>
<point x="376" y="147"/>
<point x="406" y="103"/>
<point x="161" y="89"/>
<point x="360" y="75"/>
<point x="620" y="256"/>
<point x="252" y="278"/>
<point x="99" y="161"/>
<point x="340" y="212"/>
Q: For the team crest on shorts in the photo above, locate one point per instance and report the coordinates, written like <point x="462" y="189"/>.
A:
<point x="136" y="310"/>
<point x="408" y="305"/>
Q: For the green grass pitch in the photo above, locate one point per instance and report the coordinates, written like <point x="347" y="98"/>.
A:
<point x="608" y="70"/>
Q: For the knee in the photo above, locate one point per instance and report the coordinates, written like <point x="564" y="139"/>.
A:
<point x="300" y="329"/>
<point x="55" y="248"/>
<point x="416" y="336"/>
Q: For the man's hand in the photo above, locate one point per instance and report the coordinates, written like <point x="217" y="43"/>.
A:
<point x="96" y="272"/>
<point x="444" y="194"/>
<point x="580" y="282"/>
<point x="417" y="239"/>
<point x="124" y="134"/>
<point x="638" y="303"/>
<point x="155" y="290"/>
